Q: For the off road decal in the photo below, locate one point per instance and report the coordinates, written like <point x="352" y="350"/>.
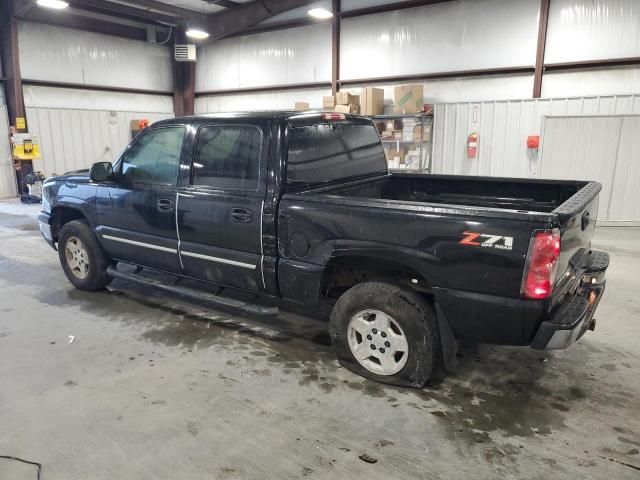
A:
<point x="476" y="239"/>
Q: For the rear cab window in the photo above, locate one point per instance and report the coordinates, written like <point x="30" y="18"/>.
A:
<point x="326" y="152"/>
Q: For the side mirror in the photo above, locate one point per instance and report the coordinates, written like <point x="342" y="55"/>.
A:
<point x="101" y="172"/>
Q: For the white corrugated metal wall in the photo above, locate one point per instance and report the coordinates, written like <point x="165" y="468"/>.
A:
<point x="260" y="101"/>
<point x="602" y="148"/>
<point x="7" y="177"/>
<point x="414" y="41"/>
<point x="440" y="38"/>
<point x="78" y="127"/>
<point x="503" y="128"/>
<point x="294" y="55"/>
<point x="582" y="148"/>
<point x="73" y="139"/>
<point x="57" y="54"/>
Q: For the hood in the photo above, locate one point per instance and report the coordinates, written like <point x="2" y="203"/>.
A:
<point x="78" y="176"/>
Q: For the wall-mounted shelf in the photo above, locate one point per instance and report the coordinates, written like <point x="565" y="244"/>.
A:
<point x="407" y="140"/>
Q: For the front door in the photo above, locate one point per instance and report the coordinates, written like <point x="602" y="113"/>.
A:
<point x="220" y="211"/>
<point x="137" y="211"/>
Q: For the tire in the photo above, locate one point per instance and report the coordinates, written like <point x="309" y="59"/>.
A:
<point x="81" y="256"/>
<point x="408" y="315"/>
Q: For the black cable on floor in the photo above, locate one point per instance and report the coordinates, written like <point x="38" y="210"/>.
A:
<point x="24" y="461"/>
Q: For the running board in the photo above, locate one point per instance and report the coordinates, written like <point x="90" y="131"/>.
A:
<point x="245" y="307"/>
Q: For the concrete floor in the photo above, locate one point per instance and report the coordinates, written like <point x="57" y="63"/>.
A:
<point x="152" y="388"/>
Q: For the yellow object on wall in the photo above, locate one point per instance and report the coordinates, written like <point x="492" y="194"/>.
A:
<point x="26" y="147"/>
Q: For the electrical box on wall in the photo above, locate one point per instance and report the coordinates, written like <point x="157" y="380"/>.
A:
<point x="185" y="53"/>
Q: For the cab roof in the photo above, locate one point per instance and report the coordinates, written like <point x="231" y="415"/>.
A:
<point x="291" y="116"/>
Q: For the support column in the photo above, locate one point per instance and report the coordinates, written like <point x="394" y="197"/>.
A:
<point x="11" y="64"/>
<point x="184" y="82"/>
<point x="542" y="44"/>
<point x="335" y="47"/>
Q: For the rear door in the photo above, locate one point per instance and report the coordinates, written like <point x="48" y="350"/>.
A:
<point x="220" y="210"/>
<point x="136" y="217"/>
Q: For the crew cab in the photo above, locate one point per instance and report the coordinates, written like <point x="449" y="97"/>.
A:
<point x="300" y="209"/>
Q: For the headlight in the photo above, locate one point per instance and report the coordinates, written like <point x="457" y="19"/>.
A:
<point x="46" y="206"/>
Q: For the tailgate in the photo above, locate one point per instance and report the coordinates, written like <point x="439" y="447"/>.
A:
<point x="577" y="217"/>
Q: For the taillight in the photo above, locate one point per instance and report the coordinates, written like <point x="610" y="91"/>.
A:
<point x="541" y="264"/>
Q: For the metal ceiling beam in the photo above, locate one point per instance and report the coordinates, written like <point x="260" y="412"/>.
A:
<point x="223" y="3"/>
<point x="118" y="19"/>
<point x="165" y="8"/>
<point x="123" y="11"/>
<point x="591" y="64"/>
<point x="71" y="20"/>
<point x="23" y="8"/>
<point x="225" y="23"/>
<point x="389" y="7"/>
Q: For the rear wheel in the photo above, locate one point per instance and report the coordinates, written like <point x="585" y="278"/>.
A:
<point x="81" y="256"/>
<point x="386" y="333"/>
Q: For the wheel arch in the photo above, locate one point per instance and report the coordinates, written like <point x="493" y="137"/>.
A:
<point x="343" y="271"/>
<point x="63" y="214"/>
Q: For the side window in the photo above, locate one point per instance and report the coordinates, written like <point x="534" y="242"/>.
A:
<point x="227" y="157"/>
<point x="155" y="157"/>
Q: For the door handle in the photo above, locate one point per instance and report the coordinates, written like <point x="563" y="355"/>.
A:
<point x="165" y="205"/>
<point x="241" y="215"/>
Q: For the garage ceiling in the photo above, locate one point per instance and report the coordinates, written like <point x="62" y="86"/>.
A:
<point x="131" y="18"/>
<point x="205" y="6"/>
<point x="196" y="6"/>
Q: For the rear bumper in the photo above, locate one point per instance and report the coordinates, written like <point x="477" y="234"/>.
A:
<point x="575" y="316"/>
<point x="44" y="222"/>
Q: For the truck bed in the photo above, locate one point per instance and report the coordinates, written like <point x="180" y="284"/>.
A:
<point x="528" y="195"/>
<point x="426" y="218"/>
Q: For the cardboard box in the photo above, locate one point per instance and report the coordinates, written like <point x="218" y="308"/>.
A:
<point x="328" y="101"/>
<point x="351" y="108"/>
<point x="372" y="101"/>
<point x="395" y="158"/>
<point x="394" y="125"/>
<point x="345" y="98"/>
<point x="409" y="98"/>
<point x="425" y="131"/>
<point x="302" y="106"/>
<point x="386" y="135"/>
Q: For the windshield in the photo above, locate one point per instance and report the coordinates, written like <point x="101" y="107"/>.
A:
<point x="325" y="152"/>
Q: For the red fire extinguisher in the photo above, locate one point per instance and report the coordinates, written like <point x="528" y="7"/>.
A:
<point x="472" y="145"/>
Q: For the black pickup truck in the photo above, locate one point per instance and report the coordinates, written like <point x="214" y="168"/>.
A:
<point x="300" y="209"/>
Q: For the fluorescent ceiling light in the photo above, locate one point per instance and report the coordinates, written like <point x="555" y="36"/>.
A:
<point x="55" y="4"/>
<point x="197" y="34"/>
<point x="320" y="13"/>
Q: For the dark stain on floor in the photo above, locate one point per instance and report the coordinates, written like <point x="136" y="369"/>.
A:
<point x="495" y="389"/>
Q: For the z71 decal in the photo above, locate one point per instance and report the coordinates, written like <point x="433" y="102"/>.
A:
<point x="476" y="239"/>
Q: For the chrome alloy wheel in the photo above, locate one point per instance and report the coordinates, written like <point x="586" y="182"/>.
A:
<point x="77" y="257"/>
<point x="377" y="342"/>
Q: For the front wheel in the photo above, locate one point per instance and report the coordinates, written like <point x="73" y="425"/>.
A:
<point x="386" y="333"/>
<point x="81" y="256"/>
